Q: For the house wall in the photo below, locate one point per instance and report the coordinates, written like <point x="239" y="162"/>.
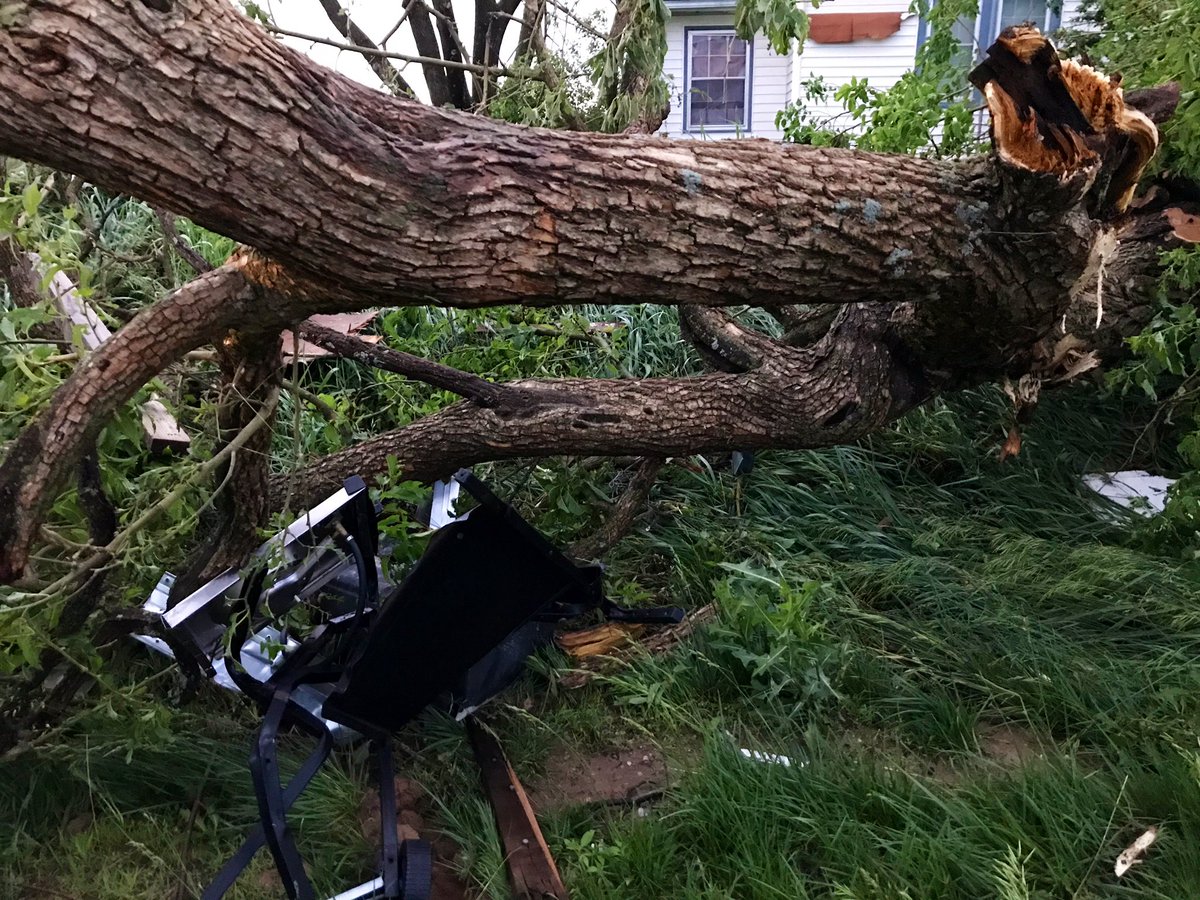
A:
<point x="771" y="79"/>
<point x="881" y="62"/>
<point x="777" y="80"/>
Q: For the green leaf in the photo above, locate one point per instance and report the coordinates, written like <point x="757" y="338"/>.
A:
<point x="31" y="199"/>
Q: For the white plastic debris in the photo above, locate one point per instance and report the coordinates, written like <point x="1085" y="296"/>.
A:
<point x="775" y="758"/>
<point x="1136" y="490"/>
<point x="1132" y="854"/>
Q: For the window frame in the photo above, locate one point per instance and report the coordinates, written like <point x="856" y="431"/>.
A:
<point x="989" y="12"/>
<point x="718" y="30"/>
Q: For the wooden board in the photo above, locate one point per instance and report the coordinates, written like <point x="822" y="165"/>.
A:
<point x="531" y="869"/>
<point x="160" y="429"/>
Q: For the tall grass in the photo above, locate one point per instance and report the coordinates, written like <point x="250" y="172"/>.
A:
<point x="883" y="608"/>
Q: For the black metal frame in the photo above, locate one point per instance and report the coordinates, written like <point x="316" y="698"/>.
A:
<point x="487" y="592"/>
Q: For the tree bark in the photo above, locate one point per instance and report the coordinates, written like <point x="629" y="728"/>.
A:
<point x="949" y="272"/>
<point x="437" y="78"/>
<point x="393" y="202"/>
<point x="241" y="504"/>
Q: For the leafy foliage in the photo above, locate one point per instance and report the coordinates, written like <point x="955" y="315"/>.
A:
<point x="628" y="71"/>
<point x="1150" y="42"/>
<point x="783" y="22"/>
<point x="929" y="109"/>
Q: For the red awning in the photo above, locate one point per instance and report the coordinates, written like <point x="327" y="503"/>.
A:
<point x="845" y="28"/>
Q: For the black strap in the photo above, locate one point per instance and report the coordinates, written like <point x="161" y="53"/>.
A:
<point x="256" y="838"/>
<point x="390" y="858"/>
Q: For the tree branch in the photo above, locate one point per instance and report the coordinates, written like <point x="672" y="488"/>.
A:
<point x="437" y="78"/>
<point x="445" y="378"/>
<point x="392" y="80"/>
<point x="849" y="385"/>
<point x="188" y="254"/>
<point x="624" y="511"/>
<point x="426" y="61"/>
<point x="117" y="544"/>
<point x="452" y="50"/>
<point x="790" y="222"/>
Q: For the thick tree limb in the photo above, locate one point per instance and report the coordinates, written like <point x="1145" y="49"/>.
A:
<point x="724" y="344"/>
<point x="240" y="509"/>
<point x="437" y="78"/>
<point x="452" y="51"/>
<point x="847" y="386"/>
<point x="951" y="271"/>
<point x="397" y="203"/>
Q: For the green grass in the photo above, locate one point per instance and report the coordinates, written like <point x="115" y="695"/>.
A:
<point x="882" y="609"/>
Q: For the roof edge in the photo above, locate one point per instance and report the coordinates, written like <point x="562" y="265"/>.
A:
<point x="701" y="6"/>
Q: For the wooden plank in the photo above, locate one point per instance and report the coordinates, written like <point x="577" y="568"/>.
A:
<point x="343" y="323"/>
<point x="160" y="429"/>
<point x="532" y="873"/>
<point x="76" y="312"/>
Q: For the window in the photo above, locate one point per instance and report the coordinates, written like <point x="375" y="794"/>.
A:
<point x="718" y="81"/>
<point x="1018" y="12"/>
<point x="976" y="34"/>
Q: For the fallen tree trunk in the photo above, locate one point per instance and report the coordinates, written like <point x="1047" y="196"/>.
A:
<point x="949" y="271"/>
<point x="388" y="201"/>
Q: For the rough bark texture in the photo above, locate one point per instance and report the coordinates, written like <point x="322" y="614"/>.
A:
<point x="846" y="386"/>
<point x="241" y="505"/>
<point x="947" y="272"/>
<point x="399" y="203"/>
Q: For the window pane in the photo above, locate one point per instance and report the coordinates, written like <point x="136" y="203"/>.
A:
<point x="964" y="33"/>
<point x="716" y="95"/>
<point x="735" y="101"/>
<point x="1017" y="12"/>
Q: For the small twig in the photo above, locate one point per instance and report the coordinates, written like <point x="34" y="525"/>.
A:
<point x="582" y="25"/>
<point x="327" y="412"/>
<point x="387" y="54"/>
<point x="624" y="511"/>
<point x="474" y="388"/>
<point x="182" y="890"/>
<point x="348" y="29"/>
<point x="118" y="543"/>
<point x="408" y="8"/>
<point x="187" y="253"/>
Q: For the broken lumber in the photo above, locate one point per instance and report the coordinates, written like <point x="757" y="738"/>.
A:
<point x="531" y="870"/>
<point x="160" y="430"/>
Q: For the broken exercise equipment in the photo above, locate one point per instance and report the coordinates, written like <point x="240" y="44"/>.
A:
<point x="304" y="633"/>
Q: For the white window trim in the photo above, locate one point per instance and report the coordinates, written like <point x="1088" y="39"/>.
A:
<point x="714" y="31"/>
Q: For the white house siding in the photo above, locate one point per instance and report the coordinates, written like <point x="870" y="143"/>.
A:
<point x="777" y="80"/>
<point x="881" y="62"/>
<point x="1070" y="13"/>
<point x="771" y="79"/>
